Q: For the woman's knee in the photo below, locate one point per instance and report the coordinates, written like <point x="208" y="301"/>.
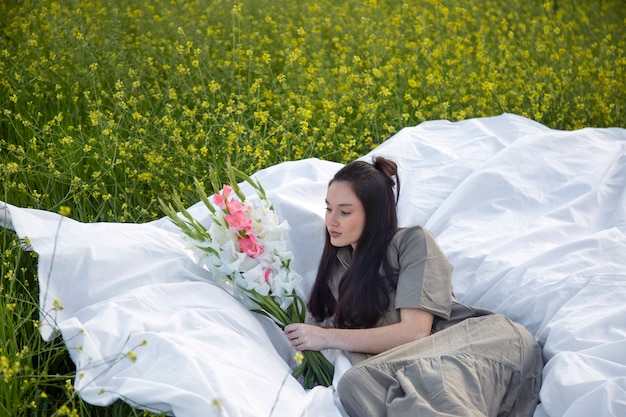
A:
<point x="359" y="393"/>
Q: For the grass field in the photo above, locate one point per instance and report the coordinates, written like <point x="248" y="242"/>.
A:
<point x="107" y="106"/>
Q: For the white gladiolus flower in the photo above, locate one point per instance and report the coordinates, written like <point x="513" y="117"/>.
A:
<point x="220" y="250"/>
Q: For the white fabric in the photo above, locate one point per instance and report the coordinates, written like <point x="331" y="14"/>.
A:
<point x="533" y="219"/>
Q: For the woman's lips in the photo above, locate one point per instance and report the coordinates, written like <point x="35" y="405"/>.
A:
<point x="334" y="234"/>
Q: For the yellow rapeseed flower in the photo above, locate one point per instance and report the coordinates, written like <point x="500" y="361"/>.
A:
<point x="217" y="404"/>
<point x="65" y="211"/>
<point x="57" y="305"/>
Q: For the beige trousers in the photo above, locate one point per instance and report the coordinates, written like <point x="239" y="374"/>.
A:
<point x="483" y="366"/>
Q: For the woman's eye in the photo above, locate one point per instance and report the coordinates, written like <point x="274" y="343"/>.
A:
<point x="342" y="213"/>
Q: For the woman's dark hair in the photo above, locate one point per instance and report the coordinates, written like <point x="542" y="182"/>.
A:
<point x="365" y="288"/>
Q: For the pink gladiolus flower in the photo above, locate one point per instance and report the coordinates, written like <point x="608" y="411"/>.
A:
<point x="238" y="221"/>
<point x="221" y="199"/>
<point x="250" y="246"/>
<point x="235" y="206"/>
<point x="268" y="272"/>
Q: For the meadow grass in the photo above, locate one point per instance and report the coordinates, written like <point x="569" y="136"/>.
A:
<point x="108" y="106"/>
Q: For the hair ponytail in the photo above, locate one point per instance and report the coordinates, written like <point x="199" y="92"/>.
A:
<point x="390" y="169"/>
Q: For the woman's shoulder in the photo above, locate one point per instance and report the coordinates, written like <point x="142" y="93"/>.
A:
<point x="414" y="238"/>
<point x="407" y="238"/>
<point x="410" y="233"/>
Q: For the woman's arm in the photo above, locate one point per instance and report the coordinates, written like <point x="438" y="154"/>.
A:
<point x="414" y="324"/>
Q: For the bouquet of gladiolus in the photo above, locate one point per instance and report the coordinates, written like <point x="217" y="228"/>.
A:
<point x="245" y="251"/>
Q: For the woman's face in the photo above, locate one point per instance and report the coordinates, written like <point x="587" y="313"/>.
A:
<point x="345" y="216"/>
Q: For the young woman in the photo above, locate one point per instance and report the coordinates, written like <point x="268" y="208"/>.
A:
<point x="384" y="295"/>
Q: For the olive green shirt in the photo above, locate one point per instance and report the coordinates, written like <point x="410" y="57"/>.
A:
<point x="424" y="281"/>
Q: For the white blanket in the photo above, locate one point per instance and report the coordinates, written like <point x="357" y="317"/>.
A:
<point x="533" y="219"/>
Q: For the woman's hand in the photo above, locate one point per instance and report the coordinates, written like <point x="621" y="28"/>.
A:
<point x="307" y="337"/>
